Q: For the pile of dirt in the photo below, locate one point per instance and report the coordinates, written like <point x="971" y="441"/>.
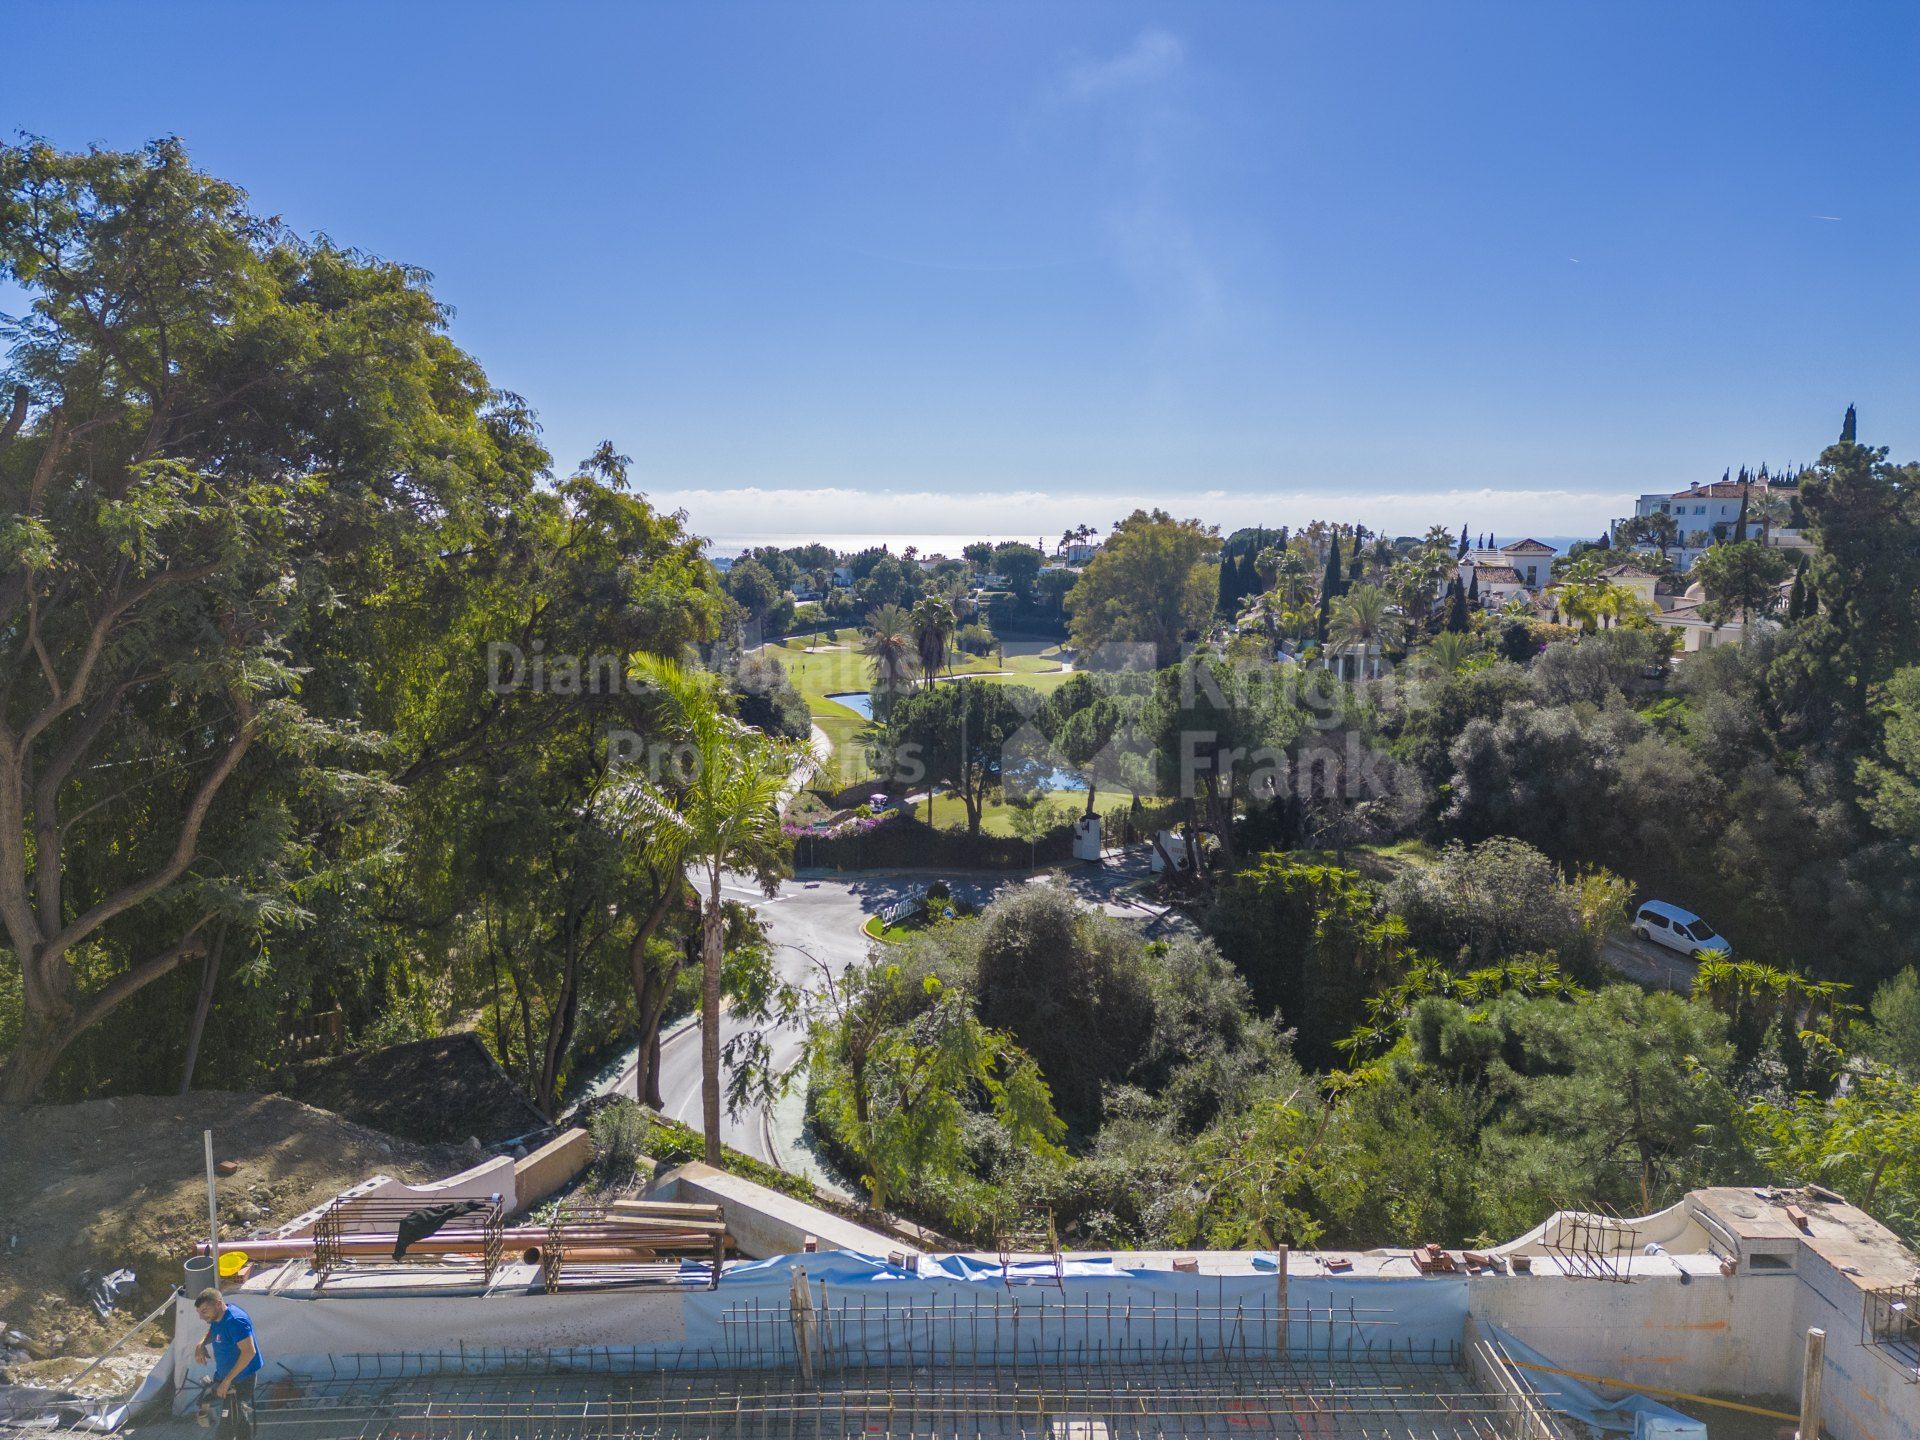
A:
<point x="115" y="1184"/>
<point x="447" y="1089"/>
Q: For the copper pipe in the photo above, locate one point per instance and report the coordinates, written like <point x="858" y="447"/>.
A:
<point x="466" y="1242"/>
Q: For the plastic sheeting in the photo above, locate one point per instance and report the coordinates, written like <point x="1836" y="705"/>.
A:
<point x="1638" y="1415"/>
<point x="956" y="1307"/>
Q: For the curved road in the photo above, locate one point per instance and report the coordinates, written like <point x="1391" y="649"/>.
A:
<point x="813" y="924"/>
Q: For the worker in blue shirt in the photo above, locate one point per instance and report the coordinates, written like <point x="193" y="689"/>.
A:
<point x="235" y="1353"/>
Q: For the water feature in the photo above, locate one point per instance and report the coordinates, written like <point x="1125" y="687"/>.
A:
<point x="858" y="701"/>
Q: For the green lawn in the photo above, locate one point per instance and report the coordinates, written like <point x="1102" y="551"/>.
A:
<point x="997" y="819"/>
<point x="894" y="934"/>
<point x="838" y="672"/>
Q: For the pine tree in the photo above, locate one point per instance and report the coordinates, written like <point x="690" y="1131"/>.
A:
<point x="1330" y="585"/>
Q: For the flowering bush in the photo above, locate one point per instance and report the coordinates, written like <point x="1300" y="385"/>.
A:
<point x="860" y="822"/>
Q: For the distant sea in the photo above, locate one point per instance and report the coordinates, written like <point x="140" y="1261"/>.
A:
<point x="852" y="541"/>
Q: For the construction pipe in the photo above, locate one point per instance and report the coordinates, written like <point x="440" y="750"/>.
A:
<point x="601" y="1255"/>
<point x="466" y="1242"/>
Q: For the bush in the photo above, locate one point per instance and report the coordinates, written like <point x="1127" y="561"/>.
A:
<point x="975" y="639"/>
<point x="619" y="1133"/>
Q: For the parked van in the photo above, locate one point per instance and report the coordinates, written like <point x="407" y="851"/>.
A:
<point x="1680" y="930"/>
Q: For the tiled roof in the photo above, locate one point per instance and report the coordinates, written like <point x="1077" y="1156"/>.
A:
<point x="1499" y="575"/>
<point x="1628" y="572"/>
<point x="1527" y="547"/>
<point x="1719" y="490"/>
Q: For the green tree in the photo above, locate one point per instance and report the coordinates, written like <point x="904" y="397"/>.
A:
<point x="1071" y="985"/>
<point x="932" y="622"/>
<point x="221" y="441"/>
<point x="1863" y="515"/>
<point x="1363" y="625"/>
<point x="952" y="737"/>
<point x="1018" y="565"/>
<point x="1890" y="781"/>
<point x="1312" y="945"/>
<point x="888" y="643"/>
<point x="1149" y="585"/>
<point x="1892" y="1032"/>
<point x="721" y="813"/>
<point x="1741" y="578"/>
<point x="1864" y="1143"/>
<point x="892" y="1066"/>
<point x="764" y="598"/>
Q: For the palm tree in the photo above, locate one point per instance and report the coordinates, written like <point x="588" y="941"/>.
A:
<point x="933" y="622"/>
<point x="721" y="813"/>
<point x="888" y="642"/>
<point x="1448" y="652"/>
<point x="1362" y="622"/>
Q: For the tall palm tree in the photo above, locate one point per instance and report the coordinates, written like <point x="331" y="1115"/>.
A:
<point x="718" y="813"/>
<point x="888" y="642"/>
<point x="933" y="622"/>
<point x="1362" y="622"/>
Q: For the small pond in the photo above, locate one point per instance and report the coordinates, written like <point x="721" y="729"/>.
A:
<point x="858" y="701"/>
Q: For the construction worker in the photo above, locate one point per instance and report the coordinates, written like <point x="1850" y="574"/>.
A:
<point x="235" y="1353"/>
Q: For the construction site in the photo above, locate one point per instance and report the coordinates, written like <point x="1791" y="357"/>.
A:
<point x="483" y="1308"/>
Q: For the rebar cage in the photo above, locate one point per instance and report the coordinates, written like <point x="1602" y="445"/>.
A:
<point x="474" y="1241"/>
<point x="996" y="1364"/>
<point x="583" y="1241"/>
<point x="1890" y="1324"/>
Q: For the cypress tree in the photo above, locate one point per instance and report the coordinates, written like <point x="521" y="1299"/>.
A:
<point x="1457" y="612"/>
<point x="1740" y="526"/>
<point x="1473" y="586"/>
<point x="1846" y="428"/>
<point x="1463" y="542"/>
<point x="1330" y="585"/>
<point x="1797" y="599"/>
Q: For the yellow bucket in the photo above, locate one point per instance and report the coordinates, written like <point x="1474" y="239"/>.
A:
<point x="232" y="1262"/>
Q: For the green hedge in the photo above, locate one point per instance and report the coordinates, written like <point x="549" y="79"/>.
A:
<point x="912" y="843"/>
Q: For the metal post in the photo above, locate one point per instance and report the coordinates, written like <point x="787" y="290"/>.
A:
<point x="1281" y="1254"/>
<point x="800" y="1302"/>
<point x="213" y="1211"/>
<point x="1810" y="1384"/>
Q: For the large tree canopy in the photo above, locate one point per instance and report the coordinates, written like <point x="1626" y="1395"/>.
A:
<point x="222" y="441"/>
<point x="1151" y="584"/>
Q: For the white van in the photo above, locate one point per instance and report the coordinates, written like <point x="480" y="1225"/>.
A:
<point x="1680" y="930"/>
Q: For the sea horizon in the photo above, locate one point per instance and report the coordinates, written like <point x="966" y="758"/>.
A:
<point x="948" y="543"/>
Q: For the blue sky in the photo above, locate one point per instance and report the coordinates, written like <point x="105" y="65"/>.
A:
<point x="1006" y="267"/>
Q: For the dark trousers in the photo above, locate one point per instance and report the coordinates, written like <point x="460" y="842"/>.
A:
<point x="233" y="1416"/>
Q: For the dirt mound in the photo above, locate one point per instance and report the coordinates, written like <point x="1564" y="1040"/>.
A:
<point x="446" y="1089"/>
<point x="122" y="1183"/>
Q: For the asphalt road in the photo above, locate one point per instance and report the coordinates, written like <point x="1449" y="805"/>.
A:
<point x="814" y="924"/>
<point x="1648" y="964"/>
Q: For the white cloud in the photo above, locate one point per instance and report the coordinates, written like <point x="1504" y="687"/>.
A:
<point x="755" y="511"/>
<point x="1153" y="56"/>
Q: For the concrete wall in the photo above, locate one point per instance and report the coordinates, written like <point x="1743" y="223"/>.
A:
<point x="1689" y="1328"/>
<point x="552" y="1167"/>
<point x="489" y="1177"/>
<point x="765" y="1223"/>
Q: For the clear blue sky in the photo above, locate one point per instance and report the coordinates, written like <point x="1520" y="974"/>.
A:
<point x="1000" y="267"/>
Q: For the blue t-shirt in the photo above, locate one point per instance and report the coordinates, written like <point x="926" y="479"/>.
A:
<point x="228" y="1331"/>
